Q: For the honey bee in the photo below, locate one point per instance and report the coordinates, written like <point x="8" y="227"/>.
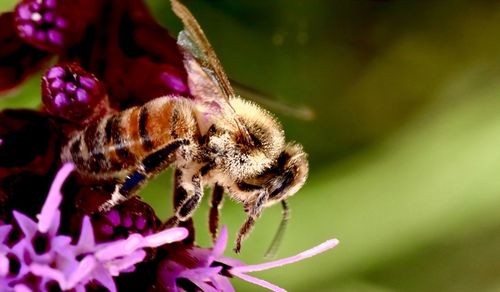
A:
<point x="213" y="140"/>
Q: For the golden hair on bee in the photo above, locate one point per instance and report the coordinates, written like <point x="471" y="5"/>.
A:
<point x="212" y="139"/>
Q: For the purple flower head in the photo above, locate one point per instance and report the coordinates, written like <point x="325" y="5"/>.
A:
<point x="71" y="93"/>
<point x="118" y="41"/>
<point x="208" y="270"/>
<point x="43" y="258"/>
<point x="26" y="168"/>
<point x="52" y="25"/>
<point x="18" y="59"/>
<point x="110" y="55"/>
<point x="132" y="216"/>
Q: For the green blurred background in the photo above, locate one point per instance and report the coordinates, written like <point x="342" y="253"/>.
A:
<point x="404" y="148"/>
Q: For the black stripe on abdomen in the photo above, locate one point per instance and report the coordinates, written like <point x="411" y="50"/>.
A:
<point x="147" y="144"/>
<point x="119" y="143"/>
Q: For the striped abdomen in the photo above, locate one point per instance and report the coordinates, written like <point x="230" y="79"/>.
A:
<point x="120" y="142"/>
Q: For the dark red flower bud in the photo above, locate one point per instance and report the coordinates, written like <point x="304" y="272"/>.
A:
<point x="17" y="59"/>
<point x="132" y="216"/>
<point x="30" y="141"/>
<point x="24" y="192"/>
<point x="146" y="80"/>
<point x="71" y="93"/>
<point x="52" y="25"/>
<point x="132" y="54"/>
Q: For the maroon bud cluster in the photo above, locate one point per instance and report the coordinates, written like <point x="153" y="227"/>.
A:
<point x="132" y="216"/>
<point x="48" y="24"/>
<point x="29" y="155"/>
<point x="29" y="142"/>
<point x="71" y="93"/>
<point x="18" y="60"/>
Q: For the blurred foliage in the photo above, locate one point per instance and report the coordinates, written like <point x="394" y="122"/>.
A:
<point x="404" y="147"/>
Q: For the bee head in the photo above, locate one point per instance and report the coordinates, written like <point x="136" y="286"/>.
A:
<point x="286" y="176"/>
<point x="242" y="160"/>
<point x="278" y="182"/>
<point x="289" y="173"/>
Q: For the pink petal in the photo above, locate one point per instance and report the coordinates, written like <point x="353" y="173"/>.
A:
<point x="54" y="226"/>
<point x="22" y="288"/>
<point x="4" y="232"/>
<point x="259" y="282"/>
<point x="60" y="241"/>
<point x="220" y="244"/>
<point x="166" y="236"/>
<point x="4" y="265"/>
<point x="203" y="286"/>
<point x="303" y="255"/>
<point x="118" y="266"/>
<point x="48" y="272"/>
<point x="120" y="248"/>
<point x="26" y="224"/>
<point x="222" y="283"/>
<point x="230" y="262"/>
<point x="102" y="276"/>
<point x="54" y="198"/>
<point x="84" y="270"/>
<point x="201" y="274"/>
<point x="86" y="241"/>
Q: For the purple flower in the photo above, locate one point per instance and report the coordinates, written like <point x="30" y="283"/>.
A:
<point x="208" y="269"/>
<point x="132" y="216"/>
<point x="110" y="54"/>
<point x="43" y="258"/>
<point x="52" y="25"/>
<point x="71" y="93"/>
<point x="118" y="41"/>
<point x="17" y="58"/>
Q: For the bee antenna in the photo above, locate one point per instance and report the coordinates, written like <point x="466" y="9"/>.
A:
<point x="278" y="237"/>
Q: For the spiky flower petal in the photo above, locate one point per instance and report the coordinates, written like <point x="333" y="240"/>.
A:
<point x="43" y="257"/>
<point x="208" y="269"/>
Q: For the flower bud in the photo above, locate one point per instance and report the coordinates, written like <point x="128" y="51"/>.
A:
<point x="71" y="93"/>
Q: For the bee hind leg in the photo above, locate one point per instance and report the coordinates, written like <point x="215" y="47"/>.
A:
<point x="149" y="167"/>
<point x="125" y="190"/>
<point x="116" y="198"/>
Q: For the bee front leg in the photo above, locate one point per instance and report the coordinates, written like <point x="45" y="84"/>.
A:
<point x="253" y="210"/>
<point x="215" y="205"/>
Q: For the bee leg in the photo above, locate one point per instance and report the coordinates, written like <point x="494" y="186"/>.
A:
<point x="179" y="196"/>
<point x="185" y="201"/>
<point x="254" y="210"/>
<point x="150" y="166"/>
<point x="116" y="198"/>
<point x="189" y="205"/>
<point x="125" y="190"/>
<point x="243" y="233"/>
<point x="215" y="205"/>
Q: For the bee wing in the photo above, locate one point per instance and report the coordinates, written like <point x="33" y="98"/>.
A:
<point x="272" y="102"/>
<point x="207" y="80"/>
<point x="194" y="41"/>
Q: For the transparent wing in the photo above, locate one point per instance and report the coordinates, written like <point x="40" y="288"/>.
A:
<point x="207" y="80"/>
<point x="193" y="40"/>
<point x="272" y="102"/>
<point x="214" y="80"/>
